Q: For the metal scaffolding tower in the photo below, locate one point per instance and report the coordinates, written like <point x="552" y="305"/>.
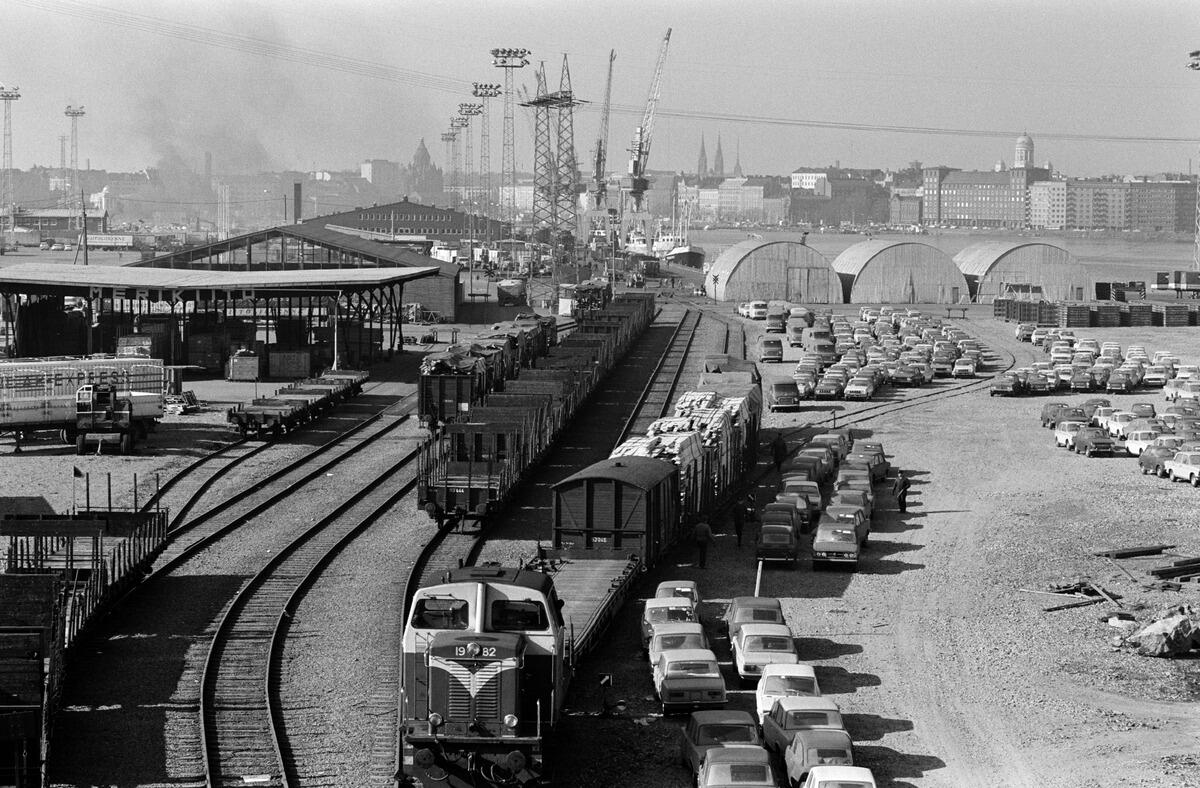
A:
<point x="448" y="174"/>
<point x="75" y="202"/>
<point x="62" y="163"/>
<point x="485" y="91"/>
<point x="7" y="192"/>
<point x="566" y="194"/>
<point x="509" y="59"/>
<point x="544" y="165"/>
<point x="459" y="125"/>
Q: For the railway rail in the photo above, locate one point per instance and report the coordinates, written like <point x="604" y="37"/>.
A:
<point x="242" y="733"/>
<point x="655" y="400"/>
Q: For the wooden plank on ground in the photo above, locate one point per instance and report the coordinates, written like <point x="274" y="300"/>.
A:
<point x="1082" y="603"/>
<point x="1134" y="552"/>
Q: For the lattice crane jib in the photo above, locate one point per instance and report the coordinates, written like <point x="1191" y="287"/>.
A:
<point x="639" y="150"/>
<point x="600" y="155"/>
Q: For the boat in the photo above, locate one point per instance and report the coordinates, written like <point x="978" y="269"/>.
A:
<point x="686" y="254"/>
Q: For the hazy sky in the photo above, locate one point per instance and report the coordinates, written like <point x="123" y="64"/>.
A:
<point x="272" y="84"/>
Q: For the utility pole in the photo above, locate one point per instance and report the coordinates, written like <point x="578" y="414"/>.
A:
<point x="486" y="91"/>
<point x="509" y="59"/>
<point x="1194" y="65"/>
<point x="74" y="113"/>
<point x="7" y="192"/>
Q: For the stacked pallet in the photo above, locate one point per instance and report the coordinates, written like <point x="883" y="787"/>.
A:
<point x="1141" y="313"/>
<point x="1173" y="315"/>
<point x="1047" y="314"/>
<point x="1107" y="316"/>
<point x="1000" y="308"/>
<point x="1074" y="315"/>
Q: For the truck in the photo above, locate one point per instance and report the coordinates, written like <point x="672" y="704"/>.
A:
<point x="106" y="416"/>
<point x="109" y="241"/>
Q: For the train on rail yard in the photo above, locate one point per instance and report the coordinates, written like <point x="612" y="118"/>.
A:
<point x="489" y="651"/>
<point x="295" y="405"/>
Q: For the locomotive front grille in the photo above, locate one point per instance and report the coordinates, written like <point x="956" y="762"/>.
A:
<point x="474" y="695"/>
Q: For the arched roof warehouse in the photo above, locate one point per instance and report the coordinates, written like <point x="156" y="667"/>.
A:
<point x="756" y="270"/>
<point x="899" y="272"/>
<point x="993" y="268"/>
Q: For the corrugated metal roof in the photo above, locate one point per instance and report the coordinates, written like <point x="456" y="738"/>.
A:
<point x="49" y="275"/>
<point x="978" y="259"/>
<point x="641" y="472"/>
<point x="854" y="259"/>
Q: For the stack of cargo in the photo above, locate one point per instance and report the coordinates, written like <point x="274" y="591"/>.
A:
<point x="1107" y="316"/>
<point x="1074" y="315"/>
<point x="1172" y="315"/>
<point x="1047" y="313"/>
<point x="685" y="450"/>
<point x="1000" y="308"/>
<point x="1141" y="313"/>
<point x="452" y="381"/>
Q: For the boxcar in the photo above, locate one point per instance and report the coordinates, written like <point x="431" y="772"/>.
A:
<point x="622" y="505"/>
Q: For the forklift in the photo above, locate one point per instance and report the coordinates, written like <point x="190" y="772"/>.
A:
<point x="102" y="417"/>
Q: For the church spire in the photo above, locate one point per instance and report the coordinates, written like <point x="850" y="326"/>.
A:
<point x="702" y="165"/>
<point x="737" y="162"/>
<point x="719" y="160"/>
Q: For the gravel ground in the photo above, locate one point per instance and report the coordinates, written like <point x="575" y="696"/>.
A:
<point x="948" y="676"/>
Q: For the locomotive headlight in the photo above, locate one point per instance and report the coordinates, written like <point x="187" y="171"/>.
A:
<point x="435" y="720"/>
<point x="472" y="650"/>
<point x="510" y="721"/>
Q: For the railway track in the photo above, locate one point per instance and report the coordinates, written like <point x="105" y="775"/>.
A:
<point x="242" y="732"/>
<point x="655" y="400"/>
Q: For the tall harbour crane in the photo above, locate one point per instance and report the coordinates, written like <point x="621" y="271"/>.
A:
<point x="599" y="157"/>
<point x="634" y="185"/>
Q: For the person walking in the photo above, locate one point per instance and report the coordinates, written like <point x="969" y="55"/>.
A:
<point x="900" y="489"/>
<point x="779" y="451"/>
<point x="739" y="521"/>
<point x="704" y="537"/>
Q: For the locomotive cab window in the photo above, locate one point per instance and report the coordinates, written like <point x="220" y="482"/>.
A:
<point x="441" y="613"/>
<point x="512" y="615"/>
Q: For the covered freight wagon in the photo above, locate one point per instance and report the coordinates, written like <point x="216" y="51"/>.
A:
<point x="621" y="504"/>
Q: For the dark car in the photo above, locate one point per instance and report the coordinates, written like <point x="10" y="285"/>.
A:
<point x="1050" y="412"/>
<point x="777" y="543"/>
<point x="749" y="610"/>
<point x="1151" y="460"/>
<point x="1081" y="380"/>
<point x="709" y="729"/>
<point x="1143" y="410"/>
<point x="1006" y="385"/>
<point x="1037" y="383"/>
<point x="828" y="389"/>
<point x="783" y="395"/>
<point x="1071" y="414"/>
<point x="905" y="375"/>
<point x="1119" y="382"/>
<point x="1090" y="441"/>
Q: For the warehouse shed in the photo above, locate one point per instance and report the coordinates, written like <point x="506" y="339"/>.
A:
<point x="899" y="272"/>
<point x="756" y="270"/>
<point x="1000" y="269"/>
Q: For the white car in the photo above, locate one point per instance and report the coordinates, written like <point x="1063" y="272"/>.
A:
<point x="964" y="368"/>
<point x="1117" y="421"/>
<point x="1100" y="416"/>
<point x="1136" y="442"/>
<point x="815" y="748"/>
<point x="672" y="589"/>
<point x="839" y="777"/>
<point x="759" y="645"/>
<point x="859" y="388"/>
<point x="686" y="679"/>
<point x="1064" y="433"/>
<point x="784" y="681"/>
<point x="680" y="635"/>
<point x="758" y="310"/>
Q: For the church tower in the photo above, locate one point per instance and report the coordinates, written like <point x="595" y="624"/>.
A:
<point x="718" y="169"/>
<point x="737" y="160"/>
<point x="1024" y="154"/>
<point x="702" y="165"/>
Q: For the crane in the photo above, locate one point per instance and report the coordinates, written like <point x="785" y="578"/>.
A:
<point x="639" y="152"/>
<point x="599" y="181"/>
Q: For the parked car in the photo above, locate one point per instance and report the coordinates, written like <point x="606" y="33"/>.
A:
<point x="770" y="349"/>
<point x="674" y="637"/>
<point x="1091" y="441"/>
<point x="737" y="767"/>
<point x="663" y="611"/>
<point x="688" y="679"/>
<point x="759" y="645"/>
<point x="1119" y="382"/>
<point x="1184" y="465"/>
<point x="798" y="713"/>
<point x="1154" y="459"/>
<point x="1050" y="412"/>
<point x="784" y="681"/>
<point x="1118" y="422"/>
<point x="839" y="777"/>
<point x="744" y="610"/>
<point x="828" y="388"/>
<point x="743" y="309"/>
<point x="678" y="589"/>
<point x="777" y="543"/>
<point x="964" y="368"/>
<point x="1064" y="433"/>
<point x="1143" y="410"/>
<point x="1038" y="383"/>
<point x="815" y="748"/>
<point x="860" y="387"/>
<point x="1137" y="442"/>
<point x="709" y="730"/>
<point x="1006" y="385"/>
<point x="835" y="544"/>
<point x="757" y="310"/>
<point x="783" y="394"/>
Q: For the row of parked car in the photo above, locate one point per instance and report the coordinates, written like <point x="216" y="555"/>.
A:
<point x="726" y="748"/>
<point x="1166" y="443"/>
<point x="1086" y="364"/>
<point x="875" y="351"/>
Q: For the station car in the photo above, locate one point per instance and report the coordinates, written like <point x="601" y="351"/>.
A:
<point x="798" y="713"/>
<point x="688" y="679"/>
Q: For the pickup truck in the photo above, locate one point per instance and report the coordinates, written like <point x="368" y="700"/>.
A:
<point x="1184" y="465"/>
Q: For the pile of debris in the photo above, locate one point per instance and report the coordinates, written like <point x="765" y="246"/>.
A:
<point x="1175" y="631"/>
<point x="1077" y="593"/>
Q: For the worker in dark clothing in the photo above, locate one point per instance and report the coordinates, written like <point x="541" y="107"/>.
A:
<point x="779" y="451"/>
<point x="739" y="521"/>
<point x="901" y="490"/>
<point x="704" y="538"/>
